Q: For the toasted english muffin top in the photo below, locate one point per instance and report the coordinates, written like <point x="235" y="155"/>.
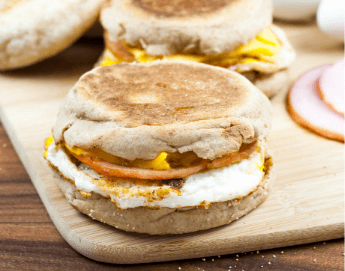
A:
<point x="136" y="111"/>
<point x="179" y="8"/>
<point x="163" y="93"/>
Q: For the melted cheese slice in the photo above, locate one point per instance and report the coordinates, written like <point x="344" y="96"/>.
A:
<point x="263" y="48"/>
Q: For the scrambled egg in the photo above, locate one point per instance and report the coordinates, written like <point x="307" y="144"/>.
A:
<point x="263" y="48"/>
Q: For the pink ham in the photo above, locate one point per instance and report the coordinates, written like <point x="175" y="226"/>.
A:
<point x="243" y="153"/>
<point x="332" y="87"/>
<point x="306" y="106"/>
<point x="106" y="168"/>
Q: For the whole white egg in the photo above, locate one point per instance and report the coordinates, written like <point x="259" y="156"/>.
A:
<point x="295" y="10"/>
<point x="331" y="18"/>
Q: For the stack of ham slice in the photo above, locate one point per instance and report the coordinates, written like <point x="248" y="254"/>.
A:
<point x="316" y="100"/>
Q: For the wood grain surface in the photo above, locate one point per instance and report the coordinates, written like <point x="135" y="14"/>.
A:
<point x="30" y="241"/>
<point x="307" y="204"/>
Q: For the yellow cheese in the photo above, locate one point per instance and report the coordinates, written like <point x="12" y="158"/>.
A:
<point x="194" y="58"/>
<point x="263" y="48"/>
<point x="159" y="163"/>
<point x="266" y="36"/>
<point x="110" y="61"/>
<point x="140" y="55"/>
<point x="47" y="143"/>
<point x="255" y="48"/>
<point x="260" y="166"/>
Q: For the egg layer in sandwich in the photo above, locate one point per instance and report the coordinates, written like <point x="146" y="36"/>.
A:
<point x="159" y="148"/>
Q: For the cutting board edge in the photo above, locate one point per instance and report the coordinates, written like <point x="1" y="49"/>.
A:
<point x="315" y="234"/>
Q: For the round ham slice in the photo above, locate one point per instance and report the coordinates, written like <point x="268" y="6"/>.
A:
<point x="225" y="160"/>
<point x="306" y="106"/>
<point x="109" y="169"/>
<point x="332" y="87"/>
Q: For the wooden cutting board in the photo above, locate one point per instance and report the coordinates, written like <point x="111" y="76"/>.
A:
<point x="307" y="203"/>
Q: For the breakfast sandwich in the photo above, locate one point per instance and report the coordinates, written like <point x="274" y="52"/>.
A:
<point x="164" y="147"/>
<point x="236" y="35"/>
<point x="33" y="30"/>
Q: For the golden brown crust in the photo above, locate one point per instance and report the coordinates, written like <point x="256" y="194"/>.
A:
<point x="163" y="94"/>
<point x="180" y="8"/>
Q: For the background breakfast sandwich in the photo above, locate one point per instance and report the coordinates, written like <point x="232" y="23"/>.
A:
<point x="163" y="147"/>
<point x="33" y="30"/>
<point x="237" y="35"/>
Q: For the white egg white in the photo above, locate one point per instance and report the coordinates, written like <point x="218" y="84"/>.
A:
<point x="216" y="185"/>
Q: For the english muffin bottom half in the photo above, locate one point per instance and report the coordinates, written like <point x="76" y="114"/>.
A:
<point x="236" y="35"/>
<point x="163" y="147"/>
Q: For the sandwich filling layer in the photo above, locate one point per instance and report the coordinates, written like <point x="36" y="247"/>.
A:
<point x="266" y="53"/>
<point x="164" y="167"/>
<point x="201" y="189"/>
